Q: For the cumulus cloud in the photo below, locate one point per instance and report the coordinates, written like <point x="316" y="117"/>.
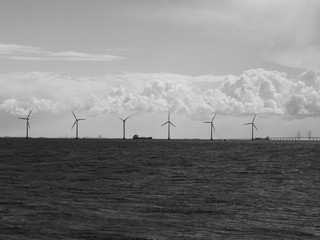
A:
<point x="18" y="107"/>
<point x="254" y="91"/>
<point x="21" y="52"/>
<point x="13" y="106"/>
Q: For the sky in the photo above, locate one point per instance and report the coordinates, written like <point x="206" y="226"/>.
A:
<point x="105" y="59"/>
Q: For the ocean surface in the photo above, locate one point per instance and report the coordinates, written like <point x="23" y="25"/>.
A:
<point x="158" y="189"/>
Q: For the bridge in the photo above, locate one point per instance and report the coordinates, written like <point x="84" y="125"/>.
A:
<point x="295" y="138"/>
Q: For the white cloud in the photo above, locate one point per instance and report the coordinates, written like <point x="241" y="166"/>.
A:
<point x="13" y="106"/>
<point x="21" y="52"/>
<point x="254" y="91"/>
<point x="18" y="107"/>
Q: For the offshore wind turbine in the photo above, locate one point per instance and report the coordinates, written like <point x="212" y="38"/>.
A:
<point x="124" y="126"/>
<point x="169" y="123"/>
<point x="27" y="124"/>
<point x="76" y="123"/>
<point x="211" y="126"/>
<point x="252" y="126"/>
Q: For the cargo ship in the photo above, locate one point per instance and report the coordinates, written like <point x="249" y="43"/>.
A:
<point x="136" y="136"/>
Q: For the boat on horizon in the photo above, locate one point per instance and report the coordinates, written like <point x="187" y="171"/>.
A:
<point x="136" y="136"/>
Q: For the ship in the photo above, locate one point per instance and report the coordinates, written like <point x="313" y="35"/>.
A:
<point x="266" y="138"/>
<point x="136" y="136"/>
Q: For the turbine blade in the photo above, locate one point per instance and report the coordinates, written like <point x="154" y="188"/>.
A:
<point x="74" y="115"/>
<point x="213" y="127"/>
<point x="81" y="119"/>
<point x="255" y="126"/>
<point x="127" y="117"/>
<point x="23" y="118"/>
<point x="206" y="122"/>
<point x="247" y="124"/>
<point x="29" y="113"/>
<point x="74" y="124"/>
<point x="164" y="124"/>
<point x="254" y="118"/>
<point x="28" y="125"/>
<point x="172" y="124"/>
<point x="213" y="117"/>
<point x="121" y="118"/>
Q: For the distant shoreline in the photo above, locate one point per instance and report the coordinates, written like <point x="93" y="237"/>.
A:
<point x="290" y="139"/>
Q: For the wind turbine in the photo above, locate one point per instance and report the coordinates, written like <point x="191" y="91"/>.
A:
<point x="76" y="123"/>
<point x="169" y="123"/>
<point x="211" y="125"/>
<point x="124" y="126"/>
<point x="28" y="124"/>
<point x="252" y="125"/>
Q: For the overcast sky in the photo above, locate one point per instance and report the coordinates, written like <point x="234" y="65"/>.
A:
<point x="106" y="59"/>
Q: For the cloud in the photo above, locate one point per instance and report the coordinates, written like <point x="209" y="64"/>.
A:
<point x="13" y="106"/>
<point x="254" y="91"/>
<point x="18" y="107"/>
<point x="21" y="52"/>
<point x="299" y="56"/>
<point x="286" y="31"/>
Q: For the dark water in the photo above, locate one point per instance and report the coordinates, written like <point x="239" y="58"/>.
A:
<point x="139" y="189"/>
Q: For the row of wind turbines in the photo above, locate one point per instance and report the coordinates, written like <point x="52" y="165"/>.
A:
<point x="169" y="123"/>
<point x="212" y="128"/>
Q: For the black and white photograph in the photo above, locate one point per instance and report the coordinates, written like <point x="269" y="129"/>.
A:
<point x="159" y="119"/>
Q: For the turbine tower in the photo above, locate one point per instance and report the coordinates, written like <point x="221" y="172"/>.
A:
<point x="124" y="126"/>
<point x="252" y="126"/>
<point x="211" y="126"/>
<point x="169" y="123"/>
<point x="27" y="124"/>
<point x="76" y="123"/>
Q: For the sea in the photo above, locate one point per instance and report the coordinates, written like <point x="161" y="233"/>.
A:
<point x="159" y="189"/>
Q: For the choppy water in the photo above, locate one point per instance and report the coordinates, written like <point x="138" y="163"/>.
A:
<point x="180" y="189"/>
